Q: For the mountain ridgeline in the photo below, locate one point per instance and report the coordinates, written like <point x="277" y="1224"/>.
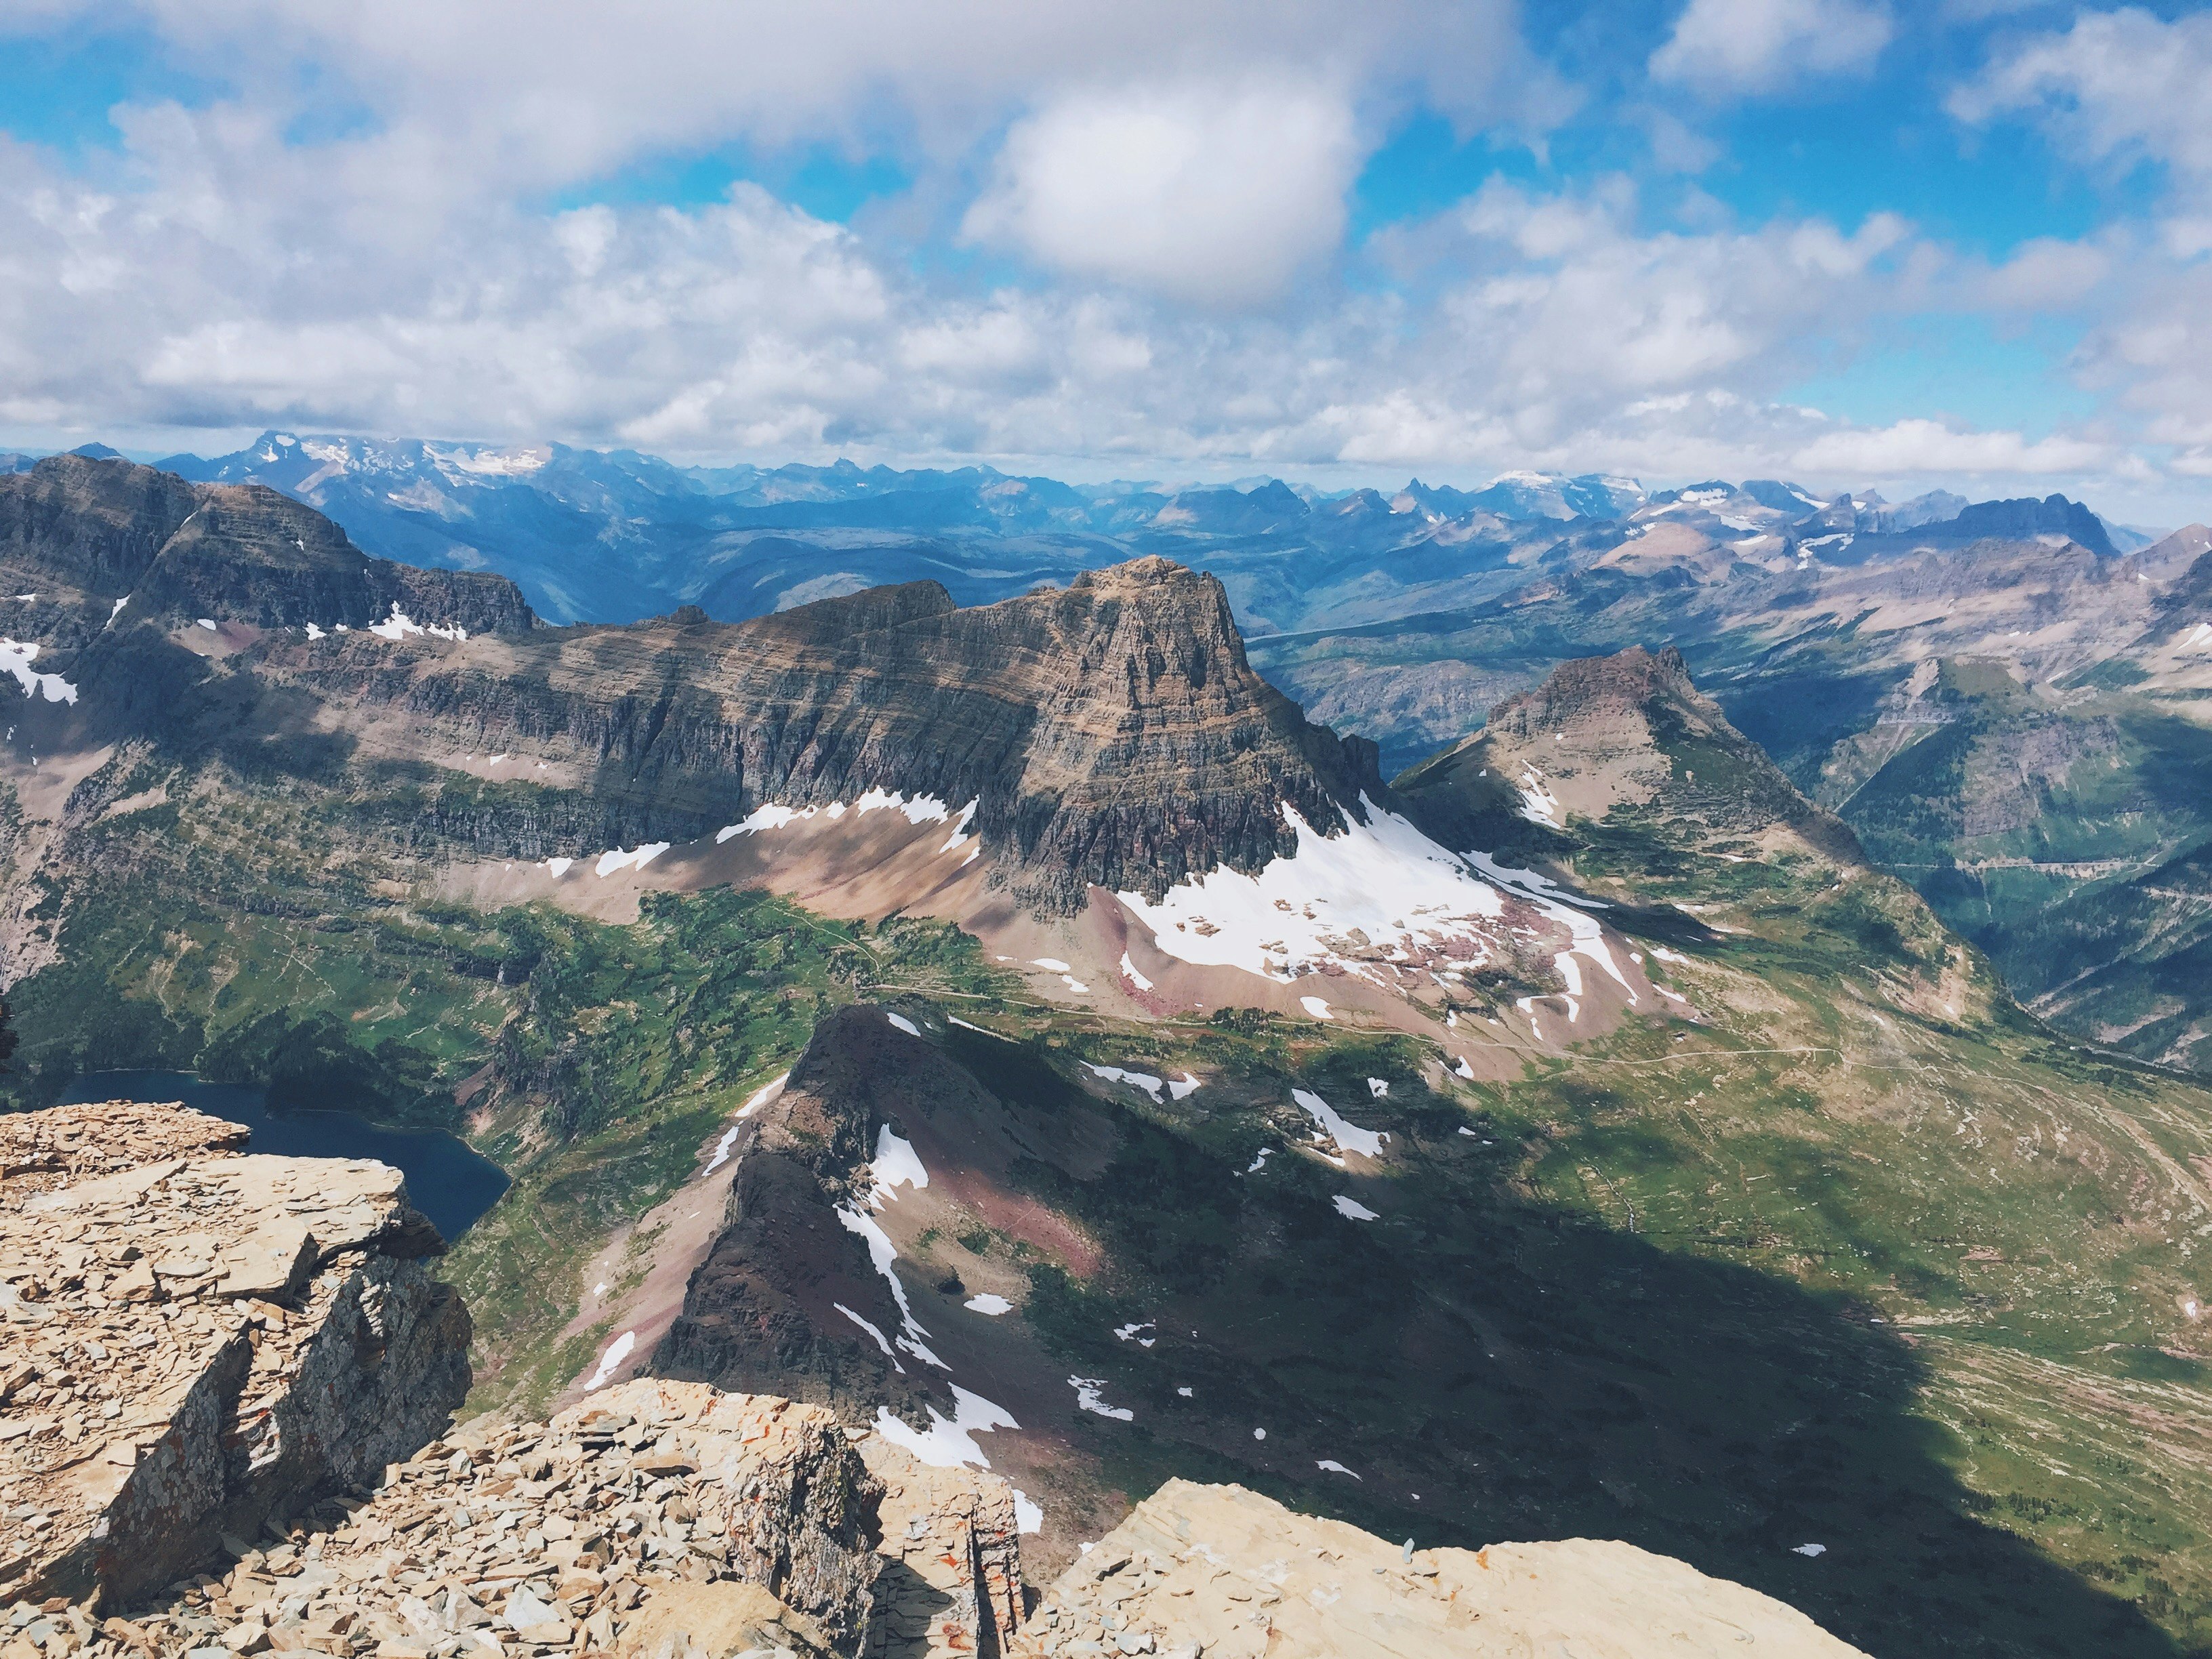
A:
<point x="89" y="539"/>
<point x="1583" y="1138"/>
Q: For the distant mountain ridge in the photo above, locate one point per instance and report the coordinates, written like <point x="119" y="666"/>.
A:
<point x="616" y="536"/>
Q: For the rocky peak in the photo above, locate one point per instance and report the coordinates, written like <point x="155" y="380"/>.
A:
<point x="1628" y="730"/>
<point x="1111" y="733"/>
<point x="85" y="533"/>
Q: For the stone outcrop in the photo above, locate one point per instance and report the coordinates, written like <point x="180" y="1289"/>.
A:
<point x="1226" y="1573"/>
<point x="656" y="1521"/>
<point x="198" y="1340"/>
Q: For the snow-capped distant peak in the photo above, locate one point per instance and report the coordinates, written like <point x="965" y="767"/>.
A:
<point x="489" y="463"/>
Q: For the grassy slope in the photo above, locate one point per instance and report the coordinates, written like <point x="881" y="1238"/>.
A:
<point x="2122" y="956"/>
<point x="263" y="930"/>
<point x="1640" y="1301"/>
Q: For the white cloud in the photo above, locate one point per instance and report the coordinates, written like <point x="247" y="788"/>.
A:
<point x="1721" y="46"/>
<point x="216" y="275"/>
<point x="2047" y="274"/>
<point x="2116" y="87"/>
<point x="1206" y="191"/>
<point x="539" y="91"/>
<point x="1929" y="447"/>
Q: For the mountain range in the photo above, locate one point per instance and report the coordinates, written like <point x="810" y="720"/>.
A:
<point x="1022" y="1027"/>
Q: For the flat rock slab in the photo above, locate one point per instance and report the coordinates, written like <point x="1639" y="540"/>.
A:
<point x="1226" y="1572"/>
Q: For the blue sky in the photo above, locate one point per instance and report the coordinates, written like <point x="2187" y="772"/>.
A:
<point x="1862" y="243"/>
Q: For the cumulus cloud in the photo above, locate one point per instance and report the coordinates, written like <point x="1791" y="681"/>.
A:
<point x="1207" y="191"/>
<point x="2116" y="86"/>
<point x="1549" y="330"/>
<point x="1929" y="447"/>
<point x="1180" y="295"/>
<point x="2114" y="89"/>
<point x="539" y="90"/>
<point x="1722" y="46"/>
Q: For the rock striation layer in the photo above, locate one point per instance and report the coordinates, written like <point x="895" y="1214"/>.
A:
<point x="1110" y="733"/>
<point x="105" y="542"/>
<point x="198" y="1340"/>
<point x="1226" y="1573"/>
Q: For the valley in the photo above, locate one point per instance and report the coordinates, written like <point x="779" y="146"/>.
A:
<point x="1582" y="1132"/>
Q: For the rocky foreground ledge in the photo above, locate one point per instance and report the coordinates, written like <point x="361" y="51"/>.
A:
<point x="226" y="1431"/>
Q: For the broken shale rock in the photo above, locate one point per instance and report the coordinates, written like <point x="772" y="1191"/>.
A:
<point x="198" y="1341"/>
<point x="656" y="1520"/>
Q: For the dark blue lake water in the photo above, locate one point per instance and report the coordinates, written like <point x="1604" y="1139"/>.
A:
<point x="448" y="1180"/>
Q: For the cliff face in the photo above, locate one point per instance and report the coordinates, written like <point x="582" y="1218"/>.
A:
<point x="200" y="1340"/>
<point x="84" y="535"/>
<point x="1110" y="733"/>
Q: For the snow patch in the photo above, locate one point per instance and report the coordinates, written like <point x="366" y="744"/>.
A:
<point x="959" y="837"/>
<point x="917" y="809"/>
<point x="1377" y="1087"/>
<point x="15" y="658"/>
<point x="870" y="1327"/>
<point x="1403" y="893"/>
<point x="1315" y="1007"/>
<point x="1348" y="1137"/>
<point x="638" y="859"/>
<point x="399" y="624"/>
<point x="1145" y="1080"/>
<point x="948" y="1442"/>
<point x="559" y="867"/>
<point x="988" y="1303"/>
<point x="904" y="1024"/>
<point x="984" y="1029"/>
<point x="1087" y="1395"/>
<point x="1129" y="972"/>
<point x="1334" y="1467"/>
<point x="1028" y="1516"/>
<point x="1183" y="1087"/>
<point x="883" y="1255"/>
<point x="896" y="1164"/>
<point x="1353" y="1210"/>
<point x="617" y="1351"/>
<point x="1050" y="965"/>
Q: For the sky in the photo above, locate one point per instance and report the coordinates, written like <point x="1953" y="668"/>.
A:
<point x="1853" y="243"/>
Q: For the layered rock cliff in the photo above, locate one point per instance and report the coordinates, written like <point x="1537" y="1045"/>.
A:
<point x="198" y="1339"/>
<point x="1110" y="733"/>
<point x="96" y="544"/>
